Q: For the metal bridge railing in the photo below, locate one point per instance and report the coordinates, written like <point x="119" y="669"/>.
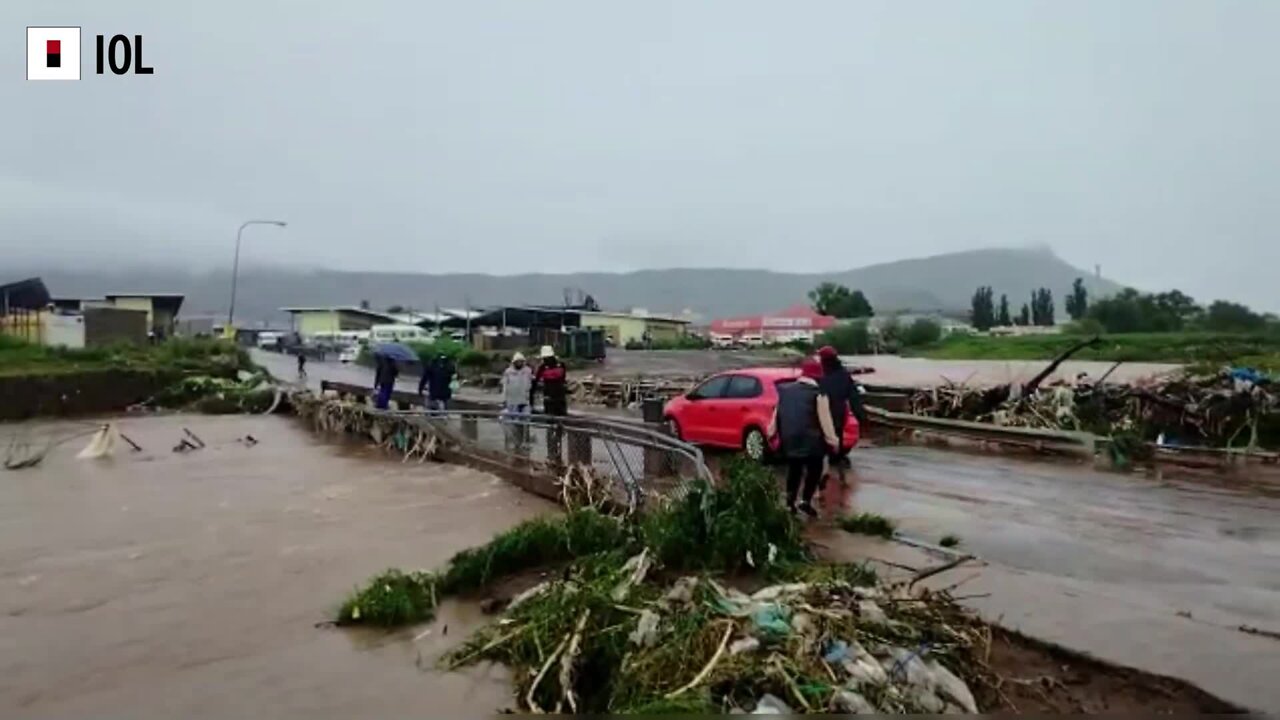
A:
<point x="635" y="461"/>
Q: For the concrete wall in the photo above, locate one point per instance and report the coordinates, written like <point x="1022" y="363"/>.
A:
<point x="631" y="328"/>
<point x="62" y="330"/>
<point x="310" y="322"/>
<point x="103" y="326"/>
<point x="621" y="328"/>
<point x="136" y="303"/>
<point x="164" y="320"/>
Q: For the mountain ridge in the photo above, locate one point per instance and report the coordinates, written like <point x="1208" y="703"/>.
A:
<point x="943" y="282"/>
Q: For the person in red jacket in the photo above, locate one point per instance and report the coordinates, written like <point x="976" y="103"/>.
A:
<point x="553" y="379"/>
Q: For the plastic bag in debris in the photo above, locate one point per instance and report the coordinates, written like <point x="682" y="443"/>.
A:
<point x="681" y="592"/>
<point x="849" y="701"/>
<point x="863" y="668"/>
<point x="743" y="645"/>
<point x="770" y="705"/>
<point x="872" y="613"/>
<point x="835" y="651"/>
<point x="646" y="632"/>
<point x="636" y="568"/>
<point x="102" y="444"/>
<point x="772" y="620"/>
<point x="933" y="687"/>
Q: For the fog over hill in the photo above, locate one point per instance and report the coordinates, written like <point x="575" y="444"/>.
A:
<point x="942" y="282"/>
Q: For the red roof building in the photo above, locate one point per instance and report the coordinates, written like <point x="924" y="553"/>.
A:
<point x="798" y="322"/>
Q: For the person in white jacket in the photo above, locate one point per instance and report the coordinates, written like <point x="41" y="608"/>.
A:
<point x="517" y="385"/>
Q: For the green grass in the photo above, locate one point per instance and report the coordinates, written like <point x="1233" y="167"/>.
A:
<point x="181" y="356"/>
<point x="390" y="599"/>
<point x="1260" y="350"/>
<point x="532" y="544"/>
<point x="868" y="524"/>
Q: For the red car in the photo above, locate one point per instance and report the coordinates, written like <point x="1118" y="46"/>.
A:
<point x="732" y="410"/>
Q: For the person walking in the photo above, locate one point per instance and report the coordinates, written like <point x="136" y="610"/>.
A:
<point x="437" y="380"/>
<point x="384" y="380"/>
<point x="802" y="424"/>
<point x="302" y="365"/>
<point x="845" y="397"/>
<point x="552" y="378"/>
<point x="517" y="387"/>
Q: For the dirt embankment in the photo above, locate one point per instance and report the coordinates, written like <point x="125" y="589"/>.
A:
<point x="81" y="393"/>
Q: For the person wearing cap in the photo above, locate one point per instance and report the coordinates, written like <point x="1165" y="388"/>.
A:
<point x="803" y="426"/>
<point x="843" y="394"/>
<point x="517" y="387"/>
<point x="553" y="379"/>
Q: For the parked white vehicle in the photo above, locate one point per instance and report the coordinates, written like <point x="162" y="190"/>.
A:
<point x="397" y="333"/>
<point x="269" y="339"/>
<point x="349" y="354"/>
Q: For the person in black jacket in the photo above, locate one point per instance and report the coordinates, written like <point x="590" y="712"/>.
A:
<point x="553" y="379"/>
<point x="802" y="424"/>
<point x="845" y="397"/>
<point x="437" y="383"/>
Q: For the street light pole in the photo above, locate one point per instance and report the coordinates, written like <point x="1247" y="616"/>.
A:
<point x="235" y="266"/>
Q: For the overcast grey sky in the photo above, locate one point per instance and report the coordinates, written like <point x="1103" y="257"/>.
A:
<point x="537" y="135"/>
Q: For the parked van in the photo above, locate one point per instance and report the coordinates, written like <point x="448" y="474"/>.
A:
<point x="397" y="333"/>
<point x="270" y="340"/>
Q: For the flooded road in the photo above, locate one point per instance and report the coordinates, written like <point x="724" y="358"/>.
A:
<point x="163" y="584"/>
<point x="1149" y="572"/>
<point x="927" y="372"/>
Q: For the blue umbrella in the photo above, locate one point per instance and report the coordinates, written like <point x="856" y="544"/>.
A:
<point x="396" y="351"/>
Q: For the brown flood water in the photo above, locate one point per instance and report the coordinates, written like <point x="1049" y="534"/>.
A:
<point x="162" y="584"/>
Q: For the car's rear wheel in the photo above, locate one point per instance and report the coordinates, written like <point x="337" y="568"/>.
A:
<point x="754" y="444"/>
<point x="673" y="428"/>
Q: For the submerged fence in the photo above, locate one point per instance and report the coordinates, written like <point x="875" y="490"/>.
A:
<point x="590" y="459"/>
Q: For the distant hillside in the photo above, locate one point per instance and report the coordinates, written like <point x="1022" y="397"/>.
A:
<point x="942" y="282"/>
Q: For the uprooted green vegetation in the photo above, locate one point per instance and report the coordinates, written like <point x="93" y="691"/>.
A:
<point x="640" y="614"/>
<point x="868" y="524"/>
<point x="737" y="527"/>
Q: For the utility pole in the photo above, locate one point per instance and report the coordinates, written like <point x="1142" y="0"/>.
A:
<point x="235" y="266"/>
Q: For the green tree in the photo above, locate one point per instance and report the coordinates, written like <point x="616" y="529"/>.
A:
<point x="921" y="332"/>
<point x="397" y="309"/>
<point x="1077" y="303"/>
<point x="1002" y="318"/>
<point x="1024" y="317"/>
<point x="364" y="304"/>
<point x="1132" y="311"/>
<point x="1226" y="316"/>
<point x="1042" y="307"/>
<point x="982" y="312"/>
<point x="840" y="302"/>
<point x="848" y="338"/>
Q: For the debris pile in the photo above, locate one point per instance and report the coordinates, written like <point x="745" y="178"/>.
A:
<point x="1232" y="408"/>
<point x="641" y="614"/>
<point x="390" y="432"/>
<point x="628" y="392"/>
<point x="604" y="640"/>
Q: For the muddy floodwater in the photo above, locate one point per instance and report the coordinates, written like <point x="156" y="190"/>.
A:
<point x="159" y="584"/>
